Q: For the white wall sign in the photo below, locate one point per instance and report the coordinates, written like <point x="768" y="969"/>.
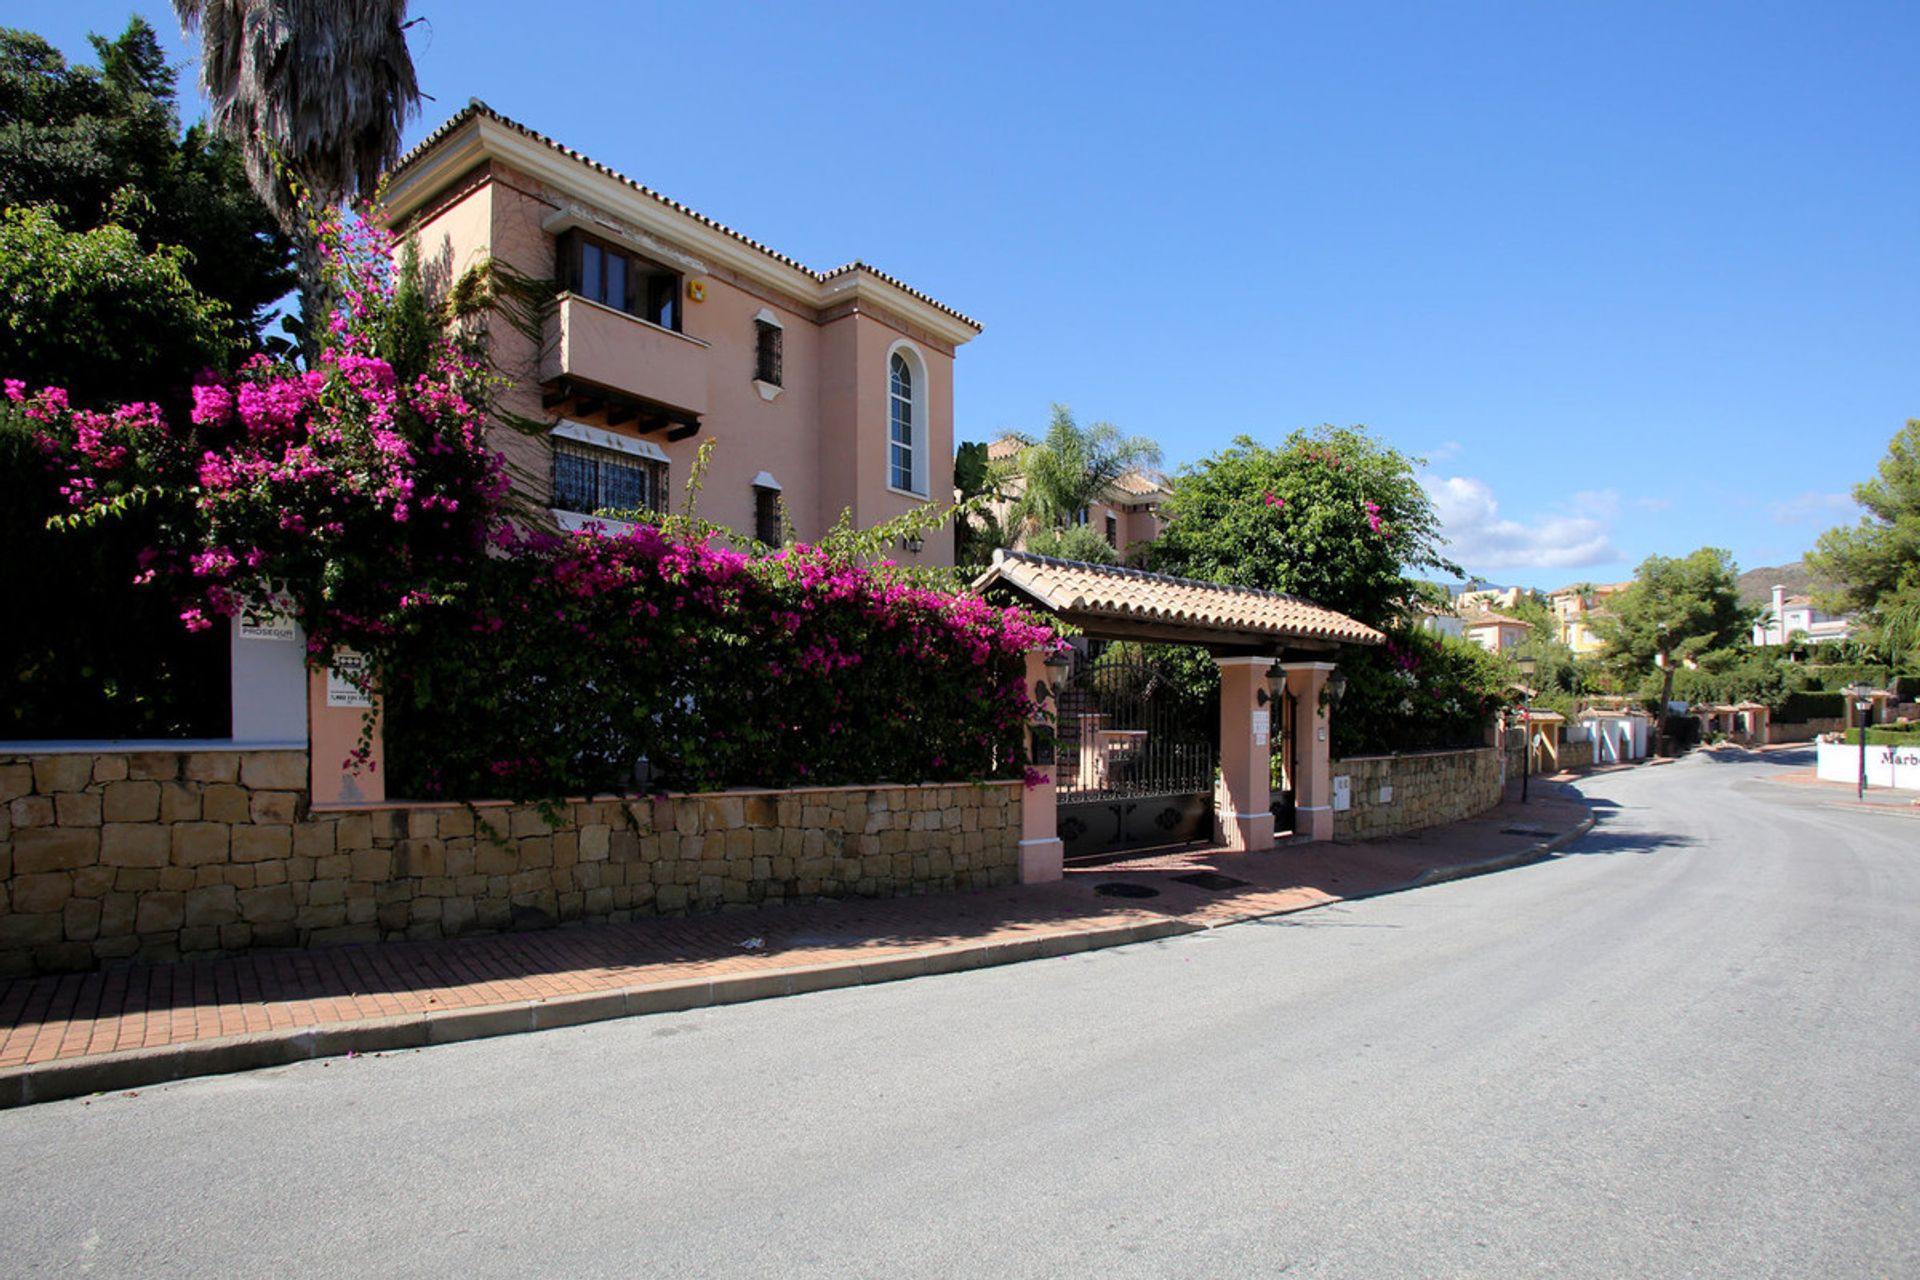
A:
<point x="1342" y="794"/>
<point x="347" y="667"/>
<point x="1262" y="722"/>
<point x="267" y="621"/>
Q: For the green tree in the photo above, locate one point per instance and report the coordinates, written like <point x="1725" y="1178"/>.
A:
<point x="1333" y="515"/>
<point x="1877" y="561"/>
<point x="82" y="141"/>
<point x="315" y="94"/>
<point x="1074" y="467"/>
<point x="99" y="315"/>
<point x="1076" y="542"/>
<point x="1676" y="609"/>
<point x="978" y="533"/>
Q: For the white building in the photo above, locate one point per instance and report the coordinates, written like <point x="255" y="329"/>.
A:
<point x="1791" y="616"/>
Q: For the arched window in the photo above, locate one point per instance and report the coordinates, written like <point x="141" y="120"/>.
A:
<point x="906" y="420"/>
<point x="900" y="416"/>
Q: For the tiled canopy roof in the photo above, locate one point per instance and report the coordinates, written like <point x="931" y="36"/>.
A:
<point x="1079" y="591"/>
<point x="477" y="108"/>
<point x="1489" y="619"/>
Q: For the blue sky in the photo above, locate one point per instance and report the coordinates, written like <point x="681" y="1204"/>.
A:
<point x="1634" y="278"/>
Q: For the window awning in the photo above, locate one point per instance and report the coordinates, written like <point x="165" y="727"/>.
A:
<point x="1131" y="604"/>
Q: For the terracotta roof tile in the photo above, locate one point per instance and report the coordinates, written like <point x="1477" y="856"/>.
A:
<point x="476" y="108"/>
<point x="1072" y="587"/>
<point x="1489" y="619"/>
<point x="1141" y="482"/>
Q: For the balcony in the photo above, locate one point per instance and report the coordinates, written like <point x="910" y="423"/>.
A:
<point x="600" y="358"/>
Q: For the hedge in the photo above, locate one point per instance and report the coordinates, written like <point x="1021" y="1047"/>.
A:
<point x="1798" y="708"/>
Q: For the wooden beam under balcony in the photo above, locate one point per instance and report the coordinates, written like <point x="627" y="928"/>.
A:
<point x="578" y="398"/>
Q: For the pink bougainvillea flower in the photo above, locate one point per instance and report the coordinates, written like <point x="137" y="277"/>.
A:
<point x="212" y="405"/>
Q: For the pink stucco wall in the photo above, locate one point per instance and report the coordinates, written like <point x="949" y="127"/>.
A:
<point x="823" y="437"/>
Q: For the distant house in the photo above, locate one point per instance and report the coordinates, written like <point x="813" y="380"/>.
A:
<point x="1791" y="616"/>
<point x="1574" y="609"/>
<point x="1128" y="517"/>
<point x="1445" y="622"/>
<point x="1496" y="632"/>
<point x="1482" y="598"/>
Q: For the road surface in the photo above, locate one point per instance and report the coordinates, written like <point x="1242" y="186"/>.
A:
<point x="1690" y="1046"/>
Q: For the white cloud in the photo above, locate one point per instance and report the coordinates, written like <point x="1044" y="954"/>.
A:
<point x="1443" y="452"/>
<point x="1481" y="540"/>
<point x="1823" y="508"/>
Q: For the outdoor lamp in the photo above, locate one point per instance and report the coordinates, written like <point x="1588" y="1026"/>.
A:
<point x="913" y="542"/>
<point x="1527" y="666"/>
<point x="1337" y="685"/>
<point x="1057" y="664"/>
<point x="1861" y="695"/>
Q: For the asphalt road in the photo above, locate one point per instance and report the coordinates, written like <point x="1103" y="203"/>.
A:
<point x="1688" y="1047"/>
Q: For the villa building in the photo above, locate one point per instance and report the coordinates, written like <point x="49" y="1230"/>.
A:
<point x="1574" y="609"/>
<point x="659" y="329"/>
<point x="1128" y="518"/>
<point x="1791" y="616"/>
<point x="1496" y="632"/>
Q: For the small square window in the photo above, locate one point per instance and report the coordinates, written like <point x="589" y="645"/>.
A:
<point x="766" y="515"/>
<point x="767" y="354"/>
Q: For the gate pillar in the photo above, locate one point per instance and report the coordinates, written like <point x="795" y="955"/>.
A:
<point x="1313" y="789"/>
<point x="1245" y="816"/>
<point x="1042" y="852"/>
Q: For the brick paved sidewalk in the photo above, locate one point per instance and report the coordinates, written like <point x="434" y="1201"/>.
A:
<point x="282" y="1006"/>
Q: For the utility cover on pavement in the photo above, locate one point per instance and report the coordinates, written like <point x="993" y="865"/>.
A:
<point x="1118" y="889"/>
<point x="1212" y="880"/>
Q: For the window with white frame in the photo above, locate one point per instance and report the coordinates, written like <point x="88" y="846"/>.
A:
<point x="909" y="442"/>
<point x="595" y="470"/>
<point x="900" y="423"/>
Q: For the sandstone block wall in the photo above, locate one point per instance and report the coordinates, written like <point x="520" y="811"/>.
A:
<point x="1575" y="755"/>
<point x="1803" y="730"/>
<point x="157" y="855"/>
<point x="1427" y="789"/>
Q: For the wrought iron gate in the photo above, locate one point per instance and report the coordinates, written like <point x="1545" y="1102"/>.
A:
<point x="1136" y="757"/>
<point x="1286" y="749"/>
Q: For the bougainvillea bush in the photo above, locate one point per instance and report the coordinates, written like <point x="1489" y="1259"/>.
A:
<point x="359" y="496"/>
<point x="346" y="494"/>
<point x="582" y="656"/>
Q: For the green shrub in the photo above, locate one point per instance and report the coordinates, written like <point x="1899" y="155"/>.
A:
<point x="1798" y="708"/>
<point x="1886" y="736"/>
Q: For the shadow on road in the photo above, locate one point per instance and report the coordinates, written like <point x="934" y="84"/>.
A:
<point x="1602" y="841"/>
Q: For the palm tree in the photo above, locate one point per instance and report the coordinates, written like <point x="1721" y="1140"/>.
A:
<point x="1073" y="468"/>
<point x="313" y="93"/>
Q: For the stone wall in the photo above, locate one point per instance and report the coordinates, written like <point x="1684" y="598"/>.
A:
<point x="1573" y="755"/>
<point x="1422" y="790"/>
<point x="1803" y="730"/>
<point x="156" y="855"/>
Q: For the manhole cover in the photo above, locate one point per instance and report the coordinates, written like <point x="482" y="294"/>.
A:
<point x="1116" y="889"/>
<point x="1212" y="880"/>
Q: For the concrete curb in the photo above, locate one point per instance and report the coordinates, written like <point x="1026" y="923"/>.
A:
<point x="1505" y="862"/>
<point x="138" y="1068"/>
